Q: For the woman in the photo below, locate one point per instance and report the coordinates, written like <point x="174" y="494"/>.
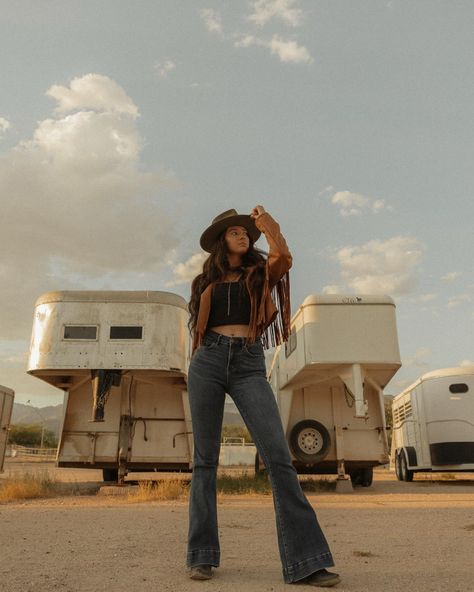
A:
<point x="233" y="315"/>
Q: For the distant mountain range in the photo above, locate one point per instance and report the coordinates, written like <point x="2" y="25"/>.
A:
<point x="52" y="416"/>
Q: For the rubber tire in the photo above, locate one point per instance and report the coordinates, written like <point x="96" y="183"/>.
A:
<point x="366" y="476"/>
<point x="407" y="475"/>
<point x="110" y="475"/>
<point x="300" y="454"/>
<point x="356" y="477"/>
<point x="398" y="469"/>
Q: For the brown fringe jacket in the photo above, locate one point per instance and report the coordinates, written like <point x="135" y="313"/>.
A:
<point x="270" y="320"/>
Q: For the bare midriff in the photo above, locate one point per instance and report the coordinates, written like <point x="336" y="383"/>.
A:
<point x="231" y="330"/>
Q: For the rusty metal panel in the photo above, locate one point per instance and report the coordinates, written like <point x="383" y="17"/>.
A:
<point x="6" y="407"/>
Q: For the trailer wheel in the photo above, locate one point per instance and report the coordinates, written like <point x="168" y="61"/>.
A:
<point x="366" y="476"/>
<point x="407" y="475"/>
<point x="398" y="468"/>
<point x="259" y="465"/>
<point x="356" y="477"/>
<point x="309" y="441"/>
<point x="110" y="475"/>
<point x="362" y="477"/>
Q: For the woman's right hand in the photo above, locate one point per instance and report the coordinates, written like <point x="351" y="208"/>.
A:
<point x="255" y="213"/>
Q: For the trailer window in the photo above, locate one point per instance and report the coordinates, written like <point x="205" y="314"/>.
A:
<point x="126" y="332"/>
<point x="459" y="387"/>
<point x="80" y="332"/>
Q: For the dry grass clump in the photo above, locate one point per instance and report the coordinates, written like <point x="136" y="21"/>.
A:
<point x="171" y="489"/>
<point x="28" y="486"/>
<point x="244" y="483"/>
<point x="261" y="483"/>
<point x="318" y="485"/>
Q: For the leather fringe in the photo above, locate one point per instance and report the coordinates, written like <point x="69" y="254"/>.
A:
<point x="279" y="330"/>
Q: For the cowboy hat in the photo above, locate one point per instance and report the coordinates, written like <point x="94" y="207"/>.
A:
<point x="222" y="222"/>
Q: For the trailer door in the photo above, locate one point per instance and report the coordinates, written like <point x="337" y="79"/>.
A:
<point x="6" y="407"/>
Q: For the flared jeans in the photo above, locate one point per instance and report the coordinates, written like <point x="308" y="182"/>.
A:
<point x="227" y="365"/>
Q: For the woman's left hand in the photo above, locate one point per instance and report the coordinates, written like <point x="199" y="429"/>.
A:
<point x="257" y="211"/>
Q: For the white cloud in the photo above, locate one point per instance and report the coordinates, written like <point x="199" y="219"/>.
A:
<point x="78" y="207"/>
<point x="92" y="91"/>
<point x="349" y="204"/>
<point x="333" y="289"/>
<point x="466" y="363"/>
<point x="386" y="267"/>
<point x="287" y="51"/>
<point x="418" y="359"/>
<point x="164" y="68"/>
<point x="212" y="20"/>
<point x="284" y="10"/>
<point x="379" y="204"/>
<point x="248" y="40"/>
<point x="184" y="273"/>
<point x="352" y="204"/>
<point x="451" y="276"/>
<point x="456" y="301"/>
<point x="4" y="125"/>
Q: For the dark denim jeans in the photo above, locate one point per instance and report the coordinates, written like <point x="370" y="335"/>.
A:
<point x="226" y="365"/>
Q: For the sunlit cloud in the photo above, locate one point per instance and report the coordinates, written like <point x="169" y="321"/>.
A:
<point x="184" y="273"/>
<point x="350" y="203"/>
<point x="387" y="267"/>
<point x="288" y="51"/>
<point x="284" y="10"/>
<point x="78" y="206"/>
<point x="4" y="126"/>
<point x="212" y="20"/>
<point x="92" y="91"/>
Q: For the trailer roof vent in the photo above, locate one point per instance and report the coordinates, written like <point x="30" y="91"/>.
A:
<point x="75" y="332"/>
<point x="126" y="332"/>
<point x="459" y="387"/>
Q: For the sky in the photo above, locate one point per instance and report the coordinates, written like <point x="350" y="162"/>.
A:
<point x="127" y="126"/>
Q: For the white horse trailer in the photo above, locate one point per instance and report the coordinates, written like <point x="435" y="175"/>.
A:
<point x="328" y="380"/>
<point x="121" y="357"/>
<point x="433" y="424"/>
<point x="6" y="408"/>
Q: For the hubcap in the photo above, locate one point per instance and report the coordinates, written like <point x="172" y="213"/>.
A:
<point x="310" y="441"/>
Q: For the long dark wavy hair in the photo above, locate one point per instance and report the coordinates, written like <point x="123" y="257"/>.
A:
<point x="215" y="268"/>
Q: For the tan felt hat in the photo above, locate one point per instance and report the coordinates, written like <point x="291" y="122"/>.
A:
<point x="223" y="221"/>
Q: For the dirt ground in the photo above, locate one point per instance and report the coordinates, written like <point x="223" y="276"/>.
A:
<point x="391" y="536"/>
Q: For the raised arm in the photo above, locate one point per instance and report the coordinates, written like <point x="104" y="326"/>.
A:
<point x="279" y="257"/>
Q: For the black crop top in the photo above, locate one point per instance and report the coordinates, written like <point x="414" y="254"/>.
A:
<point x="230" y="304"/>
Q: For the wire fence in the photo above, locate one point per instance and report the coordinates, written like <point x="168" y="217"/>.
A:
<point x="17" y="451"/>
